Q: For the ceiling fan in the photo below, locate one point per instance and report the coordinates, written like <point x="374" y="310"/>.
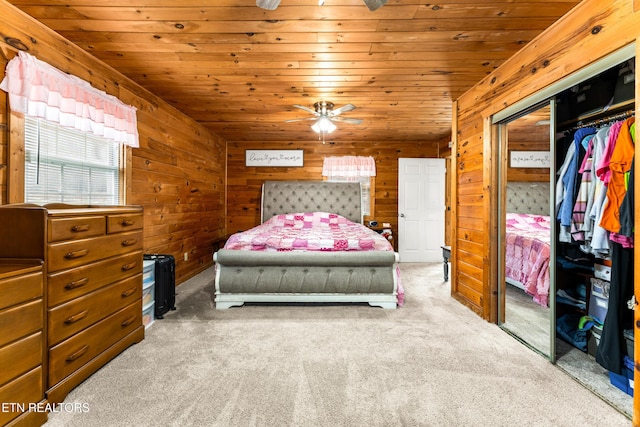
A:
<point x="273" y="4"/>
<point x="325" y="115"/>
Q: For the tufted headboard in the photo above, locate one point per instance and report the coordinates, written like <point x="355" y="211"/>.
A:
<point x="528" y="197"/>
<point x="342" y="198"/>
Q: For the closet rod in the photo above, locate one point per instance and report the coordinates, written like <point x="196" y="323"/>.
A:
<point x="604" y="120"/>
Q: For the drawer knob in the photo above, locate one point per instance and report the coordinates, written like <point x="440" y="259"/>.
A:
<point x="76" y="317"/>
<point x="128" y="292"/>
<point x="128" y="321"/>
<point x="76" y="283"/>
<point x="76" y="254"/>
<point x="78" y="354"/>
<point x="129" y="242"/>
<point x="127" y="222"/>
<point x="80" y="227"/>
<point x="129" y="266"/>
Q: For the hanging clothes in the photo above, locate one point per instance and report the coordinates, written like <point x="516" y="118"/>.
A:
<point x="627" y="207"/>
<point x="619" y="165"/>
<point x="597" y="237"/>
<point x="625" y="237"/>
<point x="602" y="168"/>
<point x="569" y="182"/>
<point x="619" y="211"/>
<point x="612" y="347"/>
<point x="561" y="173"/>
<point x="584" y="196"/>
<point x="570" y="179"/>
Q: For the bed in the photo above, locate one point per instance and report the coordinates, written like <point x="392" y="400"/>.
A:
<point x="270" y="264"/>
<point x="527" y="239"/>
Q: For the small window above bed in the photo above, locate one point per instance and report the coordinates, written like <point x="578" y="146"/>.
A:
<point x="353" y="169"/>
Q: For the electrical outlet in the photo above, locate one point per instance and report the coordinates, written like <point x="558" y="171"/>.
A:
<point x="186" y="256"/>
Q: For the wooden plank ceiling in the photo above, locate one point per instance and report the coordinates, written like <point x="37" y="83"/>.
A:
<point x="238" y="69"/>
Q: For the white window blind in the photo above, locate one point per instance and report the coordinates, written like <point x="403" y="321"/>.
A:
<point x="63" y="165"/>
<point x="365" y="185"/>
<point x="352" y="169"/>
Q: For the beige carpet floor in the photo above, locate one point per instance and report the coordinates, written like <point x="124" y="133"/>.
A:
<point x="430" y="363"/>
<point x="531" y="323"/>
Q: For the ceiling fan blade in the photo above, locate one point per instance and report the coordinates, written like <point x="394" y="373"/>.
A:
<point x="268" y="4"/>
<point x="374" y="4"/>
<point x="310" y="110"/>
<point x="300" y="119"/>
<point x="346" y="120"/>
<point x="343" y="109"/>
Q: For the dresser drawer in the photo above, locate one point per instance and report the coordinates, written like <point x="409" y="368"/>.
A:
<point x="79" y="252"/>
<point x="23" y="390"/>
<point x="73" y="316"/>
<point x="124" y="222"/>
<point x="19" y="321"/>
<point x="18" y="289"/>
<point x="68" y="284"/>
<point x="71" y="354"/>
<point x="76" y="228"/>
<point x="20" y="356"/>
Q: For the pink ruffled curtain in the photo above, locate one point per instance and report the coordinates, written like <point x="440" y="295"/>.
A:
<point x="349" y="166"/>
<point x="39" y="90"/>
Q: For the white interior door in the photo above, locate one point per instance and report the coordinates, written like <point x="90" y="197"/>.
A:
<point x="421" y="209"/>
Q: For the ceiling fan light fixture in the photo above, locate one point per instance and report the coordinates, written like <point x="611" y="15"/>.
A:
<point x="268" y="4"/>
<point x="323" y="125"/>
<point x="273" y="4"/>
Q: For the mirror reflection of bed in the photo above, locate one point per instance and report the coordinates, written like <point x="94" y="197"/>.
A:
<point x="525" y="245"/>
<point x="527" y="250"/>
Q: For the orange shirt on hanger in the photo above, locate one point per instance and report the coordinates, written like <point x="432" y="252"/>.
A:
<point x="619" y="164"/>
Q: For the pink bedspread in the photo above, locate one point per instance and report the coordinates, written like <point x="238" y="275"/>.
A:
<point x="312" y="231"/>
<point x="527" y="253"/>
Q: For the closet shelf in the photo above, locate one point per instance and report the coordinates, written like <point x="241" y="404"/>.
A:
<point x="624" y="109"/>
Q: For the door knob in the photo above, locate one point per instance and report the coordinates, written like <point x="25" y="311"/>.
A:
<point x="401" y="215"/>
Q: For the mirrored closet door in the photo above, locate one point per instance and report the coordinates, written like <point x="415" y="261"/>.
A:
<point x="525" y="286"/>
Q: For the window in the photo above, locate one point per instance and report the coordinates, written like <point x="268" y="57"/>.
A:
<point x="63" y="165"/>
<point x="79" y="166"/>
<point x="353" y="169"/>
<point x="365" y="184"/>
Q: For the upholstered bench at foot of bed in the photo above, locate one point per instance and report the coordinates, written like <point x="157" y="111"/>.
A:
<point x="247" y="276"/>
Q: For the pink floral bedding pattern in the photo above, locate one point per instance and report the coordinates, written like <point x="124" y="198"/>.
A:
<point x="309" y="231"/>
<point x="527" y="253"/>
<point x="312" y="231"/>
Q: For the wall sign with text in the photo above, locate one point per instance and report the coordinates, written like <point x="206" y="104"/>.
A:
<point x="530" y="159"/>
<point x="271" y="158"/>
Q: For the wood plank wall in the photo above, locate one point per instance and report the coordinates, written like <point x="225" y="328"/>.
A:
<point x="244" y="183"/>
<point x="589" y="32"/>
<point x="178" y="173"/>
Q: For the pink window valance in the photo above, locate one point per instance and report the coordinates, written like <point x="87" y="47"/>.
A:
<point x="349" y="166"/>
<point x="39" y="90"/>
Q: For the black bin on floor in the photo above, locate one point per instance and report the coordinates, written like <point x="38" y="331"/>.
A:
<point x="165" y="286"/>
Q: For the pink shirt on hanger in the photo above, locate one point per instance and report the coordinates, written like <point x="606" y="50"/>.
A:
<point x="602" y="168"/>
